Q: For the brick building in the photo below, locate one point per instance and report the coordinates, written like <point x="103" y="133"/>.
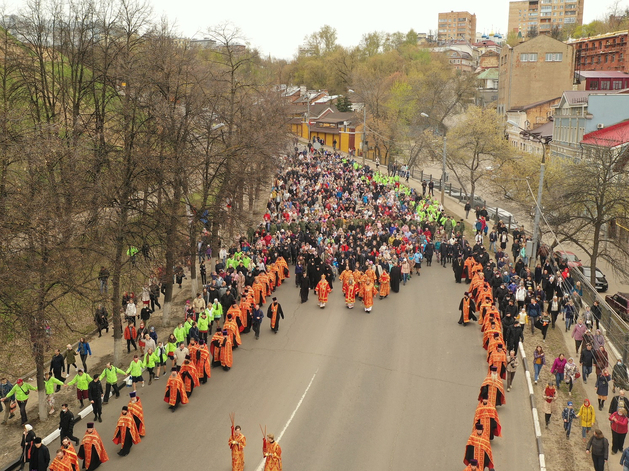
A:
<point x="602" y="52"/>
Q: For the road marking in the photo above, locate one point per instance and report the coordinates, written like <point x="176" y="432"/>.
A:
<point x="292" y="416"/>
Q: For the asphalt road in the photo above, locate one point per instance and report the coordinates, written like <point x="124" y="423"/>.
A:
<point x="394" y="389"/>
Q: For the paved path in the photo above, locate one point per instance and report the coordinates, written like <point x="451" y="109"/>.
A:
<point x="394" y="389"/>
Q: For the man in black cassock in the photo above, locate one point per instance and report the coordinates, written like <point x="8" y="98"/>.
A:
<point x="457" y="267"/>
<point x="396" y="276"/>
<point x="304" y="288"/>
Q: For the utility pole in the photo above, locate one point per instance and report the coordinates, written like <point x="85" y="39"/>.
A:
<point x="364" y="131"/>
<point x="443" y="174"/>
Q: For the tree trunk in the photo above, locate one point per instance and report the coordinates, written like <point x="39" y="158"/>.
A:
<point x="42" y="407"/>
<point x="171" y="237"/>
<point x="595" y="249"/>
<point x="115" y="283"/>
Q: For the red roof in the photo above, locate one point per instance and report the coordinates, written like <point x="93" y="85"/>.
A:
<point x="612" y="136"/>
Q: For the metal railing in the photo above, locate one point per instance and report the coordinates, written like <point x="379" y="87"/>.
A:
<point x="616" y="329"/>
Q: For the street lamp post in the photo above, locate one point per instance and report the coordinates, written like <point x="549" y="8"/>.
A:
<point x="443" y="165"/>
<point x="540" y="188"/>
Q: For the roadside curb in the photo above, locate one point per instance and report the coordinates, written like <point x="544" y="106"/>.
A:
<point x="536" y="425"/>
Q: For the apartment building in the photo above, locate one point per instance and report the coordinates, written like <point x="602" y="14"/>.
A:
<point x="543" y="15"/>
<point x="602" y="52"/>
<point x="456" y="25"/>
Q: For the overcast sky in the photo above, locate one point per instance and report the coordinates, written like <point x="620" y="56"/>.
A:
<point x="278" y="27"/>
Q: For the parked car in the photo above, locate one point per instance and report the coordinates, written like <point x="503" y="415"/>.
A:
<point x="570" y="258"/>
<point x="601" y="281"/>
<point x="499" y="214"/>
<point x="619" y="302"/>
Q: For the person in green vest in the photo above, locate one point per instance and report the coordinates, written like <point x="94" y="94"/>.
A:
<point x="49" y="386"/>
<point x="216" y="313"/>
<point x="21" y="391"/>
<point x="187" y="326"/>
<point x="204" y="325"/>
<point x="180" y="333"/>
<point x="110" y="373"/>
<point x="82" y="381"/>
<point x="135" y="370"/>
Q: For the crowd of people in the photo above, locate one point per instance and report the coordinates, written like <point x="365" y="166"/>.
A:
<point x="333" y="219"/>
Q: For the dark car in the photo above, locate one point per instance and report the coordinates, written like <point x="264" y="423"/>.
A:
<point x="619" y="302"/>
<point x="601" y="281"/>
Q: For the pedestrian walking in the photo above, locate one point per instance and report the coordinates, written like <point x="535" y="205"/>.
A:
<point x="275" y="313"/>
<point x="586" y="360"/>
<point x="82" y="381"/>
<point x="237" y="443"/>
<point x="20" y="391"/>
<point x="618" y="423"/>
<point x="100" y="319"/>
<point x="126" y="434"/>
<point x="571" y="374"/>
<point x="6" y="402"/>
<point x="512" y="365"/>
<point x="70" y="357"/>
<point x="95" y="396"/>
<point x="66" y="424"/>
<point x="568" y="415"/>
<point x="130" y="334"/>
<point x="49" y="386"/>
<point x="550" y="395"/>
<point x="110" y="374"/>
<point x="602" y="388"/>
<point x="92" y="450"/>
<point x="103" y="277"/>
<point x="558" y="369"/>
<point x="272" y="453"/>
<point x="57" y="366"/>
<point x="40" y="456"/>
<point x="539" y="360"/>
<point x="619" y="401"/>
<point x="84" y="351"/>
<point x="598" y="448"/>
<point x="588" y="416"/>
<point x="258" y="317"/>
<point x="27" y="444"/>
<point x="135" y="370"/>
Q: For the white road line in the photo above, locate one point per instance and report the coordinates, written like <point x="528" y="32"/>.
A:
<point x="292" y="416"/>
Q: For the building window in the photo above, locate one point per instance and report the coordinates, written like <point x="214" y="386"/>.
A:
<point x="594" y="85"/>
<point x="606" y="59"/>
<point x="554" y="56"/>
<point x="530" y="57"/>
<point x="604" y="85"/>
<point x="617" y="84"/>
<point x="612" y="57"/>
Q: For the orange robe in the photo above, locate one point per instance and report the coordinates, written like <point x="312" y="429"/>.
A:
<point x="484" y="415"/>
<point x="259" y="292"/>
<point x="323" y="289"/>
<point x="238" y="452"/>
<point x="351" y="292"/>
<point x="368" y="292"/>
<point x="385" y="284"/>
<point x="61" y="464"/>
<point x="173" y="387"/>
<point x="126" y="424"/>
<point x="189" y="376"/>
<point x="493" y="390"/>
<point x="344" y="278"/>
<point x="137" y="411"/>
<point x="479" y="447"/>
<point x="226" y="353"/>
<point x="232" y="327"/>
<point x="72" y="457"/>
<point x="499" y="360"/>
<point x="92" y="441"/>
<point x="203" y="363"/>
<point x="273" y="456"/>
<point x="283" y="266"/>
